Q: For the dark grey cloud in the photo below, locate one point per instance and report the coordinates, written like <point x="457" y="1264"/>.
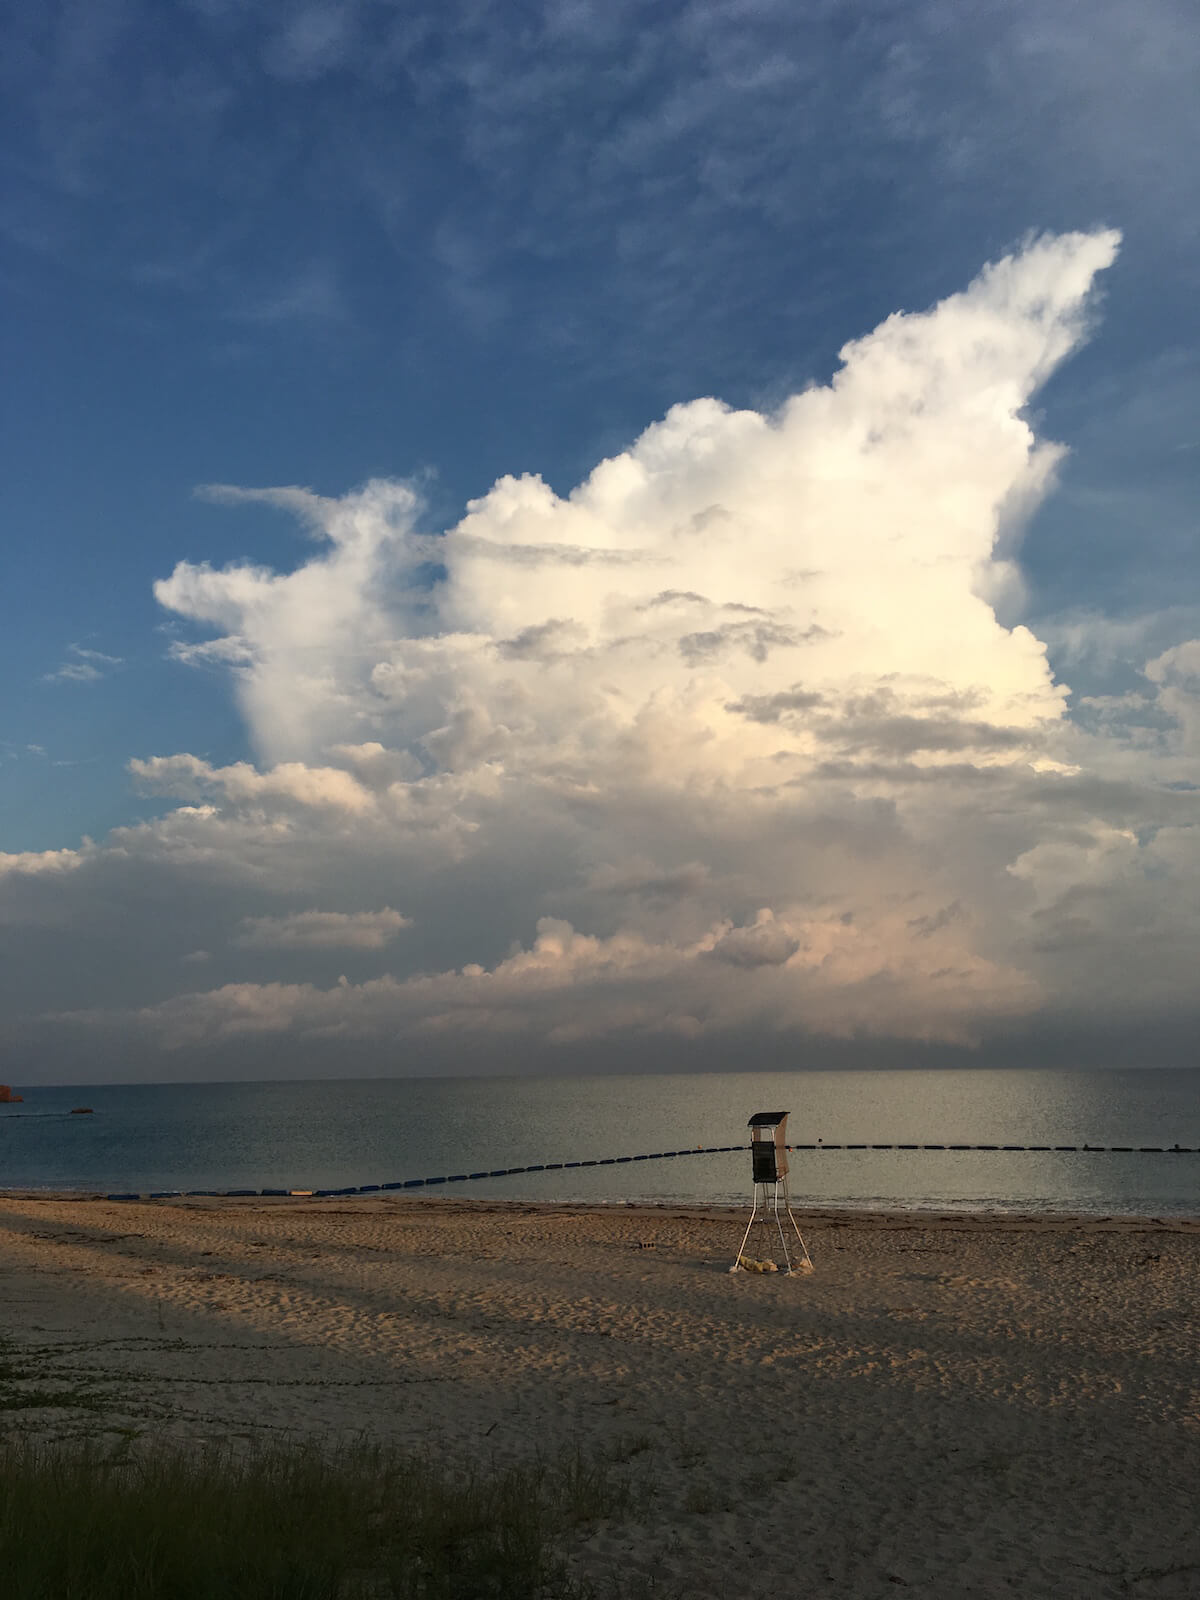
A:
<point x="757" y="639"/>
<point x="771" y="707"/>
<point x="763" y="944"/>
<point x="542" y="640"/>
<point x="901" y="735"/>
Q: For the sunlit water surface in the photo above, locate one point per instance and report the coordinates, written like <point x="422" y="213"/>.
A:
<point x="331" y="1134"/>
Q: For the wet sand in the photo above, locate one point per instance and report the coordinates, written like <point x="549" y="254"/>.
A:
<point x="958" y="1406"/>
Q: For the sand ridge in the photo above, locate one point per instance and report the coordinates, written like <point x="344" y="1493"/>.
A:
<point x="957" y="1405"/>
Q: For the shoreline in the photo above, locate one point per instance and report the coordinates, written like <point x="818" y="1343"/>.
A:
<point x="866" y="1216"/>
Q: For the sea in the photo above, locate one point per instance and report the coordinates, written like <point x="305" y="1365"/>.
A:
<point x="335" y="1134"/>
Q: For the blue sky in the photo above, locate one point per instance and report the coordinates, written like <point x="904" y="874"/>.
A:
<point x="317" y="245"/>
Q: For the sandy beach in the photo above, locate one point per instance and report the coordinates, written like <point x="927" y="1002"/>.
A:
<point x="956" y="1406"/>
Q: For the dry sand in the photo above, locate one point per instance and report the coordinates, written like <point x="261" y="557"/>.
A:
<point x="953" y="1406"/>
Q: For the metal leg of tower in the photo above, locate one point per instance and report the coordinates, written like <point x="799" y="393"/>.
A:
<point x="787" y="1260"/>
<point x="737" y="1260"/>
<point x="788" y="1202"/>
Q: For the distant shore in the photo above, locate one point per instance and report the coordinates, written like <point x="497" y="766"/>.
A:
<point x="959" y="1403"/>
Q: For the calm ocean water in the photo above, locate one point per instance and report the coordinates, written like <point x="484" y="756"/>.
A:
<point x="331" y="1134"/>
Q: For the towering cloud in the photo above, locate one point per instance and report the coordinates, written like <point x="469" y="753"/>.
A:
<point x="756" y="580"/>
<point x="740" y="733"/>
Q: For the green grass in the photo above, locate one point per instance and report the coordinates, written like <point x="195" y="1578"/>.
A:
<point x="363" y="1523"/>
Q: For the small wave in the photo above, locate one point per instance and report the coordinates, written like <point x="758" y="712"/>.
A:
<point x="11" y="1116"/>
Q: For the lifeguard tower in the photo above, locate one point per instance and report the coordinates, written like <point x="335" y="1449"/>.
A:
<point x="769" y="1173"/>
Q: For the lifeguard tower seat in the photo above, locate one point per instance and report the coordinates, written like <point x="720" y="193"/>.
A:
<point x="769" y="1173"/>
<point x="768" y="1146"/>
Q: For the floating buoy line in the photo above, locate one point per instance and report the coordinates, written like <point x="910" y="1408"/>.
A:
<point x="656" y="1155"/>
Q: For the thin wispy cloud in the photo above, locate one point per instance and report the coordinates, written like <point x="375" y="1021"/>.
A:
<point x="322" y="930"/>
<point x="309" y="298"/>
<point x="83" y="666"/>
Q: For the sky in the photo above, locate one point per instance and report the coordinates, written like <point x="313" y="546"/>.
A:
<point x="565" y="537"/>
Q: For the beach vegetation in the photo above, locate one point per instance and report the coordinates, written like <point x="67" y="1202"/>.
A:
<point x="629" y="1445"/>
<point x="690" y="1449"/>
<point x="24" y="1399"/>
<point x="587" y="1490"/>
<point x="85" y="1521"/>
<point x="702" y="1500"/>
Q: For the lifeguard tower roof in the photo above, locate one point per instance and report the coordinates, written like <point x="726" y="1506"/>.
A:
<point x="766" y="1119"/>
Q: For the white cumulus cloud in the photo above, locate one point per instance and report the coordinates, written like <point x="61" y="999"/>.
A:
<point x="855" y="537"/>
<point x="740" y="734"/>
